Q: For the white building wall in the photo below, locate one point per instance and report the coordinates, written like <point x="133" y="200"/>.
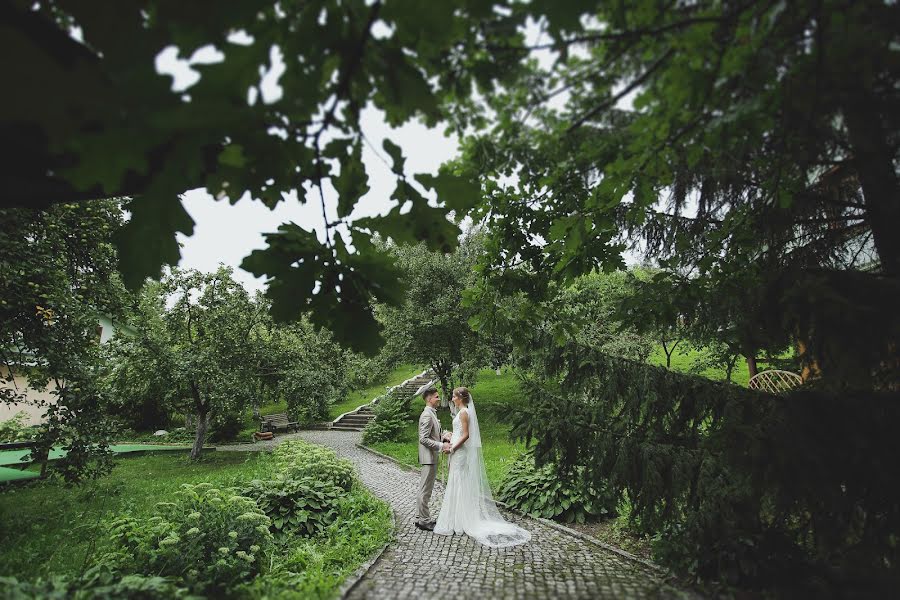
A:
<point x="19" y="384"/>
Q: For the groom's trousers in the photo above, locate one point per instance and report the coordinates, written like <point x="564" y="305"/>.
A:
<point x="426" y="486"/>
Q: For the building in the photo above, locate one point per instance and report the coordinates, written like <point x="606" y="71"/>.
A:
<point x="106" y="328"/>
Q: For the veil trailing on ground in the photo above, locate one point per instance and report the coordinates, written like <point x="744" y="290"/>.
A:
<point x="481" y="518"/>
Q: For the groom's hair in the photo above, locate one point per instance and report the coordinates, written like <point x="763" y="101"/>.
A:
<point x="427" y="395"/>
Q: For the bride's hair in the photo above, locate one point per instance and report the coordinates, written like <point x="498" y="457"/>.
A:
<point x="463" y="394"/>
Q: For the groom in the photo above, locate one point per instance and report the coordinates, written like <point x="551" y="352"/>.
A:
<point x="431" y="441"/>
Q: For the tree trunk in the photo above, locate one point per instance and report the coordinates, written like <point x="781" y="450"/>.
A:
<point x="874" y="167"/>
<point x="443" y="371"/>
<point x="751" y="364"/>
<point x="669" y="352"/>
<point x="43" y="457"/>
<point x="188" y="423"/>
<point x="203" y="414"/>
<point x="202" y="428"/>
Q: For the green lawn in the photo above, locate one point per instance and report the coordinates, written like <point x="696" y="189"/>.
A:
<point x="353" y="400"/>
<point x="49" y="529"/>
<point x="494" y="395"/>
<point x="684" y="358"/>
<point x="357" y="398"/>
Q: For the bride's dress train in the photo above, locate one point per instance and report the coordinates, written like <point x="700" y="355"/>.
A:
<point x="468" y="505"/>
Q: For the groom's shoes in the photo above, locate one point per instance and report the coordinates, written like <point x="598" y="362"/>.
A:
<point x="426" y="526"/>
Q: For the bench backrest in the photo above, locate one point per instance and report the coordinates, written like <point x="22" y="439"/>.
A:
<point x="276" y="418"/>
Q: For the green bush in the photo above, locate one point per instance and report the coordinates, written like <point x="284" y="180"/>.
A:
<point x="15" y="429"/>
<point x="177" y="435"/>
<point x="304" y="506"/>
<point x="544" y="492"/>
<point x="391" y="414"/>
<point x="738" y="485"/>
<point x="296" y="459"/>
<point x="98" y="583"/>
<point x="225" y="427"/>
<point x="315" y="567"/>
<point x="212" y="539"/>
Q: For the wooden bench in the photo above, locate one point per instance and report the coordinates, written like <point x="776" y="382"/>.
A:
<point x="277" y="421"/>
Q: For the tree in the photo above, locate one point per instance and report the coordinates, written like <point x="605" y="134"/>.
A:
<point x="57" y="275"/>
<point x="314" y="376"/>
<point x="586" y="313"/>
<point x="432" y="324"/>
<point x="754" y="160"/>
<point x="757" y="116"/>
<point x="91" y="118"/>
<point x="199" y="345"/>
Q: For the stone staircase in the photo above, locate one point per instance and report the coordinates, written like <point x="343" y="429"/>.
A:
<point x="357" y="420"/>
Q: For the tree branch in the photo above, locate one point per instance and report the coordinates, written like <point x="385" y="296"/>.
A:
<point x="628" y="89"/>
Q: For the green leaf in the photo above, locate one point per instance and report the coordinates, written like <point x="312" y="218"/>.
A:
<point x="148" y="240"/>
<point x="454" y="191"/>
<point x="232" y="156"/>
<point x="353" y="182"/>
<point x="396" y="154"/>
<point x="423" y="222"/>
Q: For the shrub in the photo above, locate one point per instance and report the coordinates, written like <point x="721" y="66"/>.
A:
<point x="544" y="492"/>
<point x="316" y="567"/>
<point x="98" y="583"/>
<point x="211" y="538"/>
<point x="15" y="429"/>
<point x="304" y="506"/>
<point x="390" y="419"/>
<point x="225" y="426"/>
<point x="738" y="485"/>
<point x="296" y="459"/>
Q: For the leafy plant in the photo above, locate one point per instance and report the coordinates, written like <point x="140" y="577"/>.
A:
<point x="391" y="417"/>
<point x="297" y="459"/>
<point x="210" y="538"/>
<point x="545" y="492"/>
<point x="98" y="583"/>
<point x="15" y="429"/>
<point x="315" y="567"/>
<point x="304" y="506"/>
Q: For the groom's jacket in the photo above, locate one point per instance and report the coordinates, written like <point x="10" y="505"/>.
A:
<point x="429" y="437"/>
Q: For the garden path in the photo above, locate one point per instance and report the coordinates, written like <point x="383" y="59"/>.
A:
<point x="419" y="564"/>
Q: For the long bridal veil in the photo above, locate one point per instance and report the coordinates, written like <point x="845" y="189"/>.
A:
<point x="487" y="525"/>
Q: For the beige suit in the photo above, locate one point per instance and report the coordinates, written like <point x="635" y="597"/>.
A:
<point x="429" y="447"/>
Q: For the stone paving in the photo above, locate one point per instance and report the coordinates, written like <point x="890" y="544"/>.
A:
<point x="419" y="564"/>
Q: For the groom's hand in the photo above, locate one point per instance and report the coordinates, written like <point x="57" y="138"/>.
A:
<point x="446" y="436"/>
<point x="446" y="447"/>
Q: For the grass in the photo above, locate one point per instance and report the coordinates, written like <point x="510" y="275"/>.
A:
<point x="49" y="529"/>
<point x="685" y="357"/>
<point x="353" y="400"/>
<point x="494" y="395"/>
<point x="359" y="397"/>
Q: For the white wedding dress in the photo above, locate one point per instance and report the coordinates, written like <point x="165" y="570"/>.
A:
<point x="468" y="505"/>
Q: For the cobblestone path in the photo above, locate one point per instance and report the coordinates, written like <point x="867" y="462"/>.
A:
<point x="419" y="564"/>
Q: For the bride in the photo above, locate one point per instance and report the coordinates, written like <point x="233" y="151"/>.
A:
<point x="468" y="505"/>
